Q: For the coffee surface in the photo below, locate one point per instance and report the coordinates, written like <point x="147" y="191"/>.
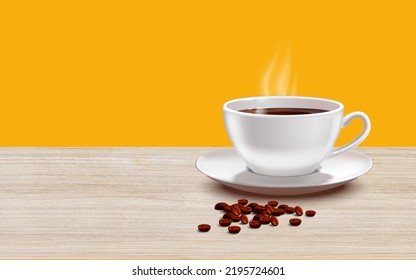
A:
<point x="283" y="111"/>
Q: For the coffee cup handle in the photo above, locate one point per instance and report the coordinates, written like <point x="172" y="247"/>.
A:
<point x="360" y="138"/>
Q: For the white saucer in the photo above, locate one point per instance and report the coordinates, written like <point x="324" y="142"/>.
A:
<point x="226" y="167"/>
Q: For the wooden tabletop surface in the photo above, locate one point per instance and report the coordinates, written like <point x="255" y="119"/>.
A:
<point x="146" y="203"/>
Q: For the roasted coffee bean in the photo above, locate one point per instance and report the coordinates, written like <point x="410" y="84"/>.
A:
<point x="234" y="229"/>
<point x="235" y="212"/>
<point x="278" y="212"/>
<point x="235" y="218"/>
<point x="244" y="219"/>
<point x="258" y="209"/>
<point x="264" y="220"/>
<point x="254" y="224"/>
<point x="298" y="210"/>
<point x="235" y="209"/>
<point x="290" y="210"/>
<point x="204" y="227"/>
<point x="227" y="215"/>
<point x="310" y="213"/>
<point x="243" y="201"/>
<point x="265" y="214"/>
<point x="252" y="205"/>
<point x="274" y="221"/>
<point x="295" y="221"/>
<point x="257" y="217"/>
<point x="269" y="209"/>
<point x="273" y="203"/>
<point x="225" y="222"/>
<point x="220" y="205"/>
<point x="246" y="210"/>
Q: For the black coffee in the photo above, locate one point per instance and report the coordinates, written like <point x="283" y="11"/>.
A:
<point x="283" y="111"/>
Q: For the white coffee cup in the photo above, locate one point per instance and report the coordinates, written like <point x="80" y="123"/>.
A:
<point x="288" y="145"/>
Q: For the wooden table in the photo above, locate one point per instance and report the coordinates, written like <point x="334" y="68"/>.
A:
<point x="146" y="203"/>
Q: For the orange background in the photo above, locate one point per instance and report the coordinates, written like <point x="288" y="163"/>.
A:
<point x="136" y="73"/>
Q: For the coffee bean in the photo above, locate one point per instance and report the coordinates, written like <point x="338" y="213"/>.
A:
<point x="225" y="222"/>
<point x="252" y="205"/>
<point x="258" y="209"/>
<point x="220" y="205"/>
<point x="243" y="201"/>
<point x="235" y="209"/>
<point x="227" y="215"/>
<point x="278" y="212"/>
<point x="246" y="210"/>
<point x="298" y="210"/>
<point x="295" y="221"/>
<point x="269" y="209"/>
<point x="234" y="229"/>
<point x="235" y="212"/>
<point x="265" y="214"/>
<point x="204" y="227"/>
<point x="257" y="217"/>
<point x="274" y="221"/>
<point x="254" y="224"/>
<point x="310" y="213"/>
<point x="290" y="210"/>
<point x="235" y="218"/>
<point x="244" y="219"/>
<point x="264" y="220"/>
<point x="273" y="203"/>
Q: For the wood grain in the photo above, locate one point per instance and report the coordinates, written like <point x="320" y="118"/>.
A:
<point x="146" y="203"/>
